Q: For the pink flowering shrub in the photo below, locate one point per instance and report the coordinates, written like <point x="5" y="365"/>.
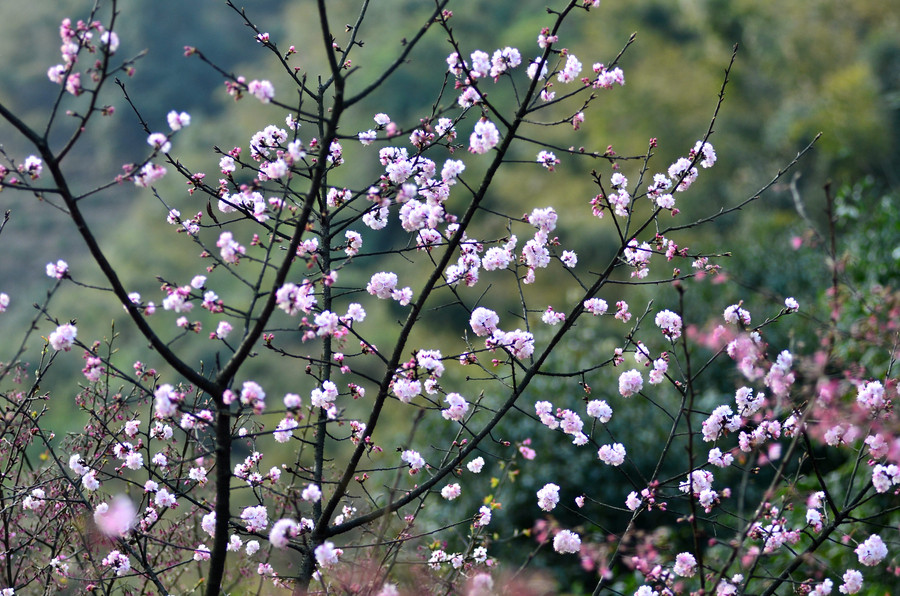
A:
<point x="374" y="274"/>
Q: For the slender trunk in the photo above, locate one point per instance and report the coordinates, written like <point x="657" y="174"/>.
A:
<point x="223" y="500"/>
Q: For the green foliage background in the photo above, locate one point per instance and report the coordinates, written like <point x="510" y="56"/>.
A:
<point x="803" y="67"/>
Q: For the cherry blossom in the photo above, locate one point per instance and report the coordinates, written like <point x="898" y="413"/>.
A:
<point x="685" y="565"/>
<point x="262" y="90"/>
<point x="872" y="551"/>
<point x="853" y="581"/>
<point x="567" y="541"/>
<point x="484" y="138"/>
<point x="548" y="497"/>
<point x="630" y="382"/>
<point x="327" y="555"/>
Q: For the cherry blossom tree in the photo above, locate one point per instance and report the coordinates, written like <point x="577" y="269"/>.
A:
<point x="193" y="474"/>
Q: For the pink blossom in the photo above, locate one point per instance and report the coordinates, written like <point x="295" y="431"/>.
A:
<point x="265" y="569"/>
<point x="709" y="154"/>
<point x="382" y="284"/>
<point x="567" y="541"/>
<point x="58" y="270"/>
<point x="117" y="561"/>
<point x="548" y="497"/>
<point x="718" y="459"/>
<point x="230" y="249"/>
<point x="483" y="517"/>
<point x="596" y="306"/>
<point x="311" y="494"/>
<point x="73" y="84"/>
<point x="273" y="170"/>
<point x="165" y="499"/>
<point x="117" y="519"/>
<point x="32" y="166"/>
<point x="293" y="299"/>
<point x="607" y="78"/>
<point x="451" y="491"/>
<point x="708" y="498"/>
<point x="622" y="313"/>
<point x="484" y="138"/>
<point x="149" y="174"/>
<point x="535" y="254"/>
<point x="682" y="170"/>
<point x="166" y="401"/>
<point x="885" y="476"/>
<point x="35" y="500"/>
<point x="76" y="464"/>
<point x="253" y="395"/>
<point x="57" y="73"/>
<point x="577" y="120"/>
<point x="548" y="160"/>
<point x="670" y="323"/>
<point x="262" y="90"/>
<point x="571" y="70"/>
<point x="598" y="408"/>
<point x="519" y="343"/>
<point x="872" y="551"/>
<point x="327" y="555"/>
<point x="202" y="553"/>
<point x="226" y="166"/>
<point x="208" y="523"/>
<point x="64" y="337"/>
<point x="871" y="396"/>
<point x="367" y="137"/>
<point x="415" y="461"/>
<point x="544" y="218"/>
<point x="223" y="329"/>
<point x="282" y="531"/>
<point x="503" y="60"/>
<point x="685" y="565"/>
<point x="496" y="258"/>
<point x="178" y="300"/>
<point x="613" y="455"/>
<point x="406" y="389"/>
<point x="458" y="407"/>
<point x="551" y="317"/>
<point x="403" y="296"/>
<point x="658" y="374"/>
<point x="853" y="581"/>
<point x="255" y="518"/>
<point x="665" y="201"/>
<point x="132" y="427"/>
<point x="878" y="446"/>
<point x="720" y="419"/>
<point x="177" y="121"/>
<point x="633" y="501"/>
<point x="475" y="466"/>
<point x="734" y="314"/>
<point x="159" y="142"/>
<point x="327" y="323"/>
<point x="110" y="41"/>
<point x="234" y="543"/>
<point x="630" y="382"/>
<point x="284" y="431"/>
